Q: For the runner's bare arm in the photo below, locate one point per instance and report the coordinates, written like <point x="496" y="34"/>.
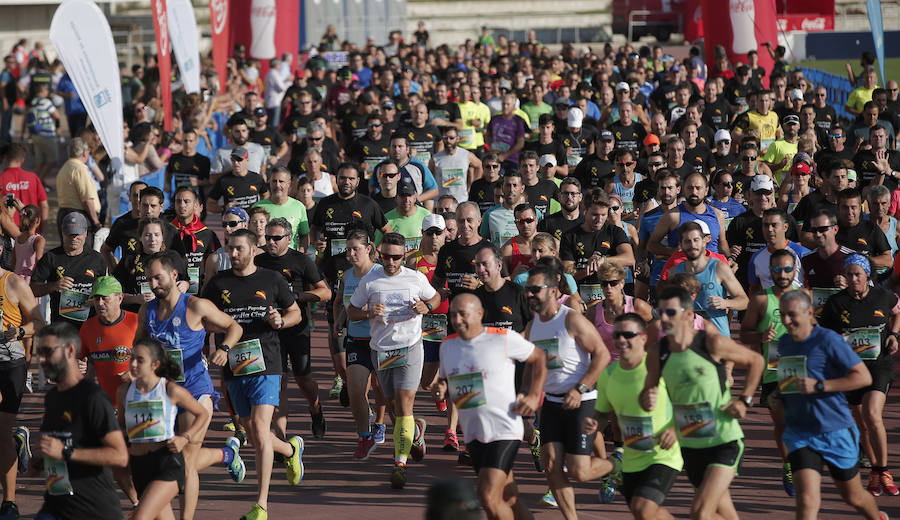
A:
<point x="755" y="312"/>
<point x="588" y="339"/>
<point x="214" y="320"/>
<point x="647" y="398"/>
<point x="738" y="300"/>
<point x="291" y="316"/>
<point x="318" y="293"/>
<point x="184" y="400"/>
<point x="537" y="361"/>
<point x="726" y="349"/>
<point x="32" y="320"/>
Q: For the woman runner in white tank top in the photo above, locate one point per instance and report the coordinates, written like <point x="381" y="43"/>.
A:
<point x="147" y="408"/>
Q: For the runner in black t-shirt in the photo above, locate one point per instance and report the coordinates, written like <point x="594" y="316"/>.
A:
<point x="256" y="298"/>
<point x="482" y="190"/>
<point x="267" y="137"/>
<point x="584" y="247"/>
<point x="629" y="135"/>
<point x="504" y="302"/>
<point x="124" y="232"/>
<point x="68" y="272"/>
<point x="595" y="168"/>
<point x="373" y="147"/>
<point x="189" y="168"/>
<point x="540" y="192"/>
<point x="569" y="217"/>
<point x="307" y="286"/>
<point x="194" y="240"/>
<point x="78" y="416"/>
<point x="424" y="138"/>
<point x="455" y="262"/>
<point x="863" y="236"/>
<point x="238" y="187"/>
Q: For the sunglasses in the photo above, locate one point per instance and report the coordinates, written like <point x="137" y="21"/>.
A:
<point x="655" y="164"/>
<point x="389" y="175"/>
<point x="47" y="351"/>
<point x="450" y="137"/>
<point x="625" y="163"/>
<point x="492" y="166"/>
<point x="726" y="141"/>
<point x="534" y="289"/>
<point x="235" y="158"/>
<point x="231" y="224"/>
<point x="627" y="334"/>
<point x="783" y="269"/>
<point x="374" y="125"/>
<point x="609" y="283"/>
<point x="748" y="158"/>
<point x="395" y="258"/>
<point x="525" y="220"/>
<point x="275" y="238"/>
<point x="727" y="184"/>
<point x="315" y="139"/>
<point x="433" y="232"/>
<point x="820" y="229"/>
<point x="615" y="208"/>
<point x="834" y="136"/>
<point x="669" y="312"/>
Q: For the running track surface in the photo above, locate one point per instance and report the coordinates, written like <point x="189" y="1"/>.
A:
<point x="337" y="487"/>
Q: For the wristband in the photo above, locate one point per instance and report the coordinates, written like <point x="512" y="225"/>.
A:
<point x="225" y="348"/>
<point x="21" y="333"/>
<point x="67" y="453"/>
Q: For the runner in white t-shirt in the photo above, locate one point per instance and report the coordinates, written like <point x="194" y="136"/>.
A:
<point x="395" y="299"/>
<point x="477" y="365"/>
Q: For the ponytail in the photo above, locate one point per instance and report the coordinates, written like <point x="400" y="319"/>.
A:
<point x="168" y="368"/>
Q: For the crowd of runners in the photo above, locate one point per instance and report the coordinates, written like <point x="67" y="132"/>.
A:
<point x="598" y="257"/>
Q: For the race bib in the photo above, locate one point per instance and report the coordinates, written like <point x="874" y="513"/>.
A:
<point x="412" y="244"/>
<point x="371" y="169"/>
<point x="347" y="299"/>
<point x="695" y="420"/>
<point x="637" y="432"/>
<point x="790" y="368"/>
<point x="338" y="246"/>
<point x="246" y="358"/>
<point x="628" y="207"/>
<point x="144" y="421"/>
<point x="820" y="296"/>
<point x="452" y="177"/>
<point x="177" y="356"/>
<point x="423" y="156"/>
<point x="772" y="357"/>
<point x="145" y="288"/>
<point x="498" y="147"/>
<point x="72" y="305"/>
<point x="791" y="207"/>
<point x="393" y="358"/>
<point x="57" y="482"/>
<point x="551" y="348"/>
<point x="194" y="276"/>
<point x="434" y="327"/>
<point x="468" y="390"/>
<point x="573" y="160"/>
<point x="467" y="136"/>
<point x="592" y="294"/>
<point x="866" y="342"/>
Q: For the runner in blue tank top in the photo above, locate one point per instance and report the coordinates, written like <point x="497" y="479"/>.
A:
<point x="180" y="321"/>
<point x="720" y="291"/>
<point x="693" y="208"/>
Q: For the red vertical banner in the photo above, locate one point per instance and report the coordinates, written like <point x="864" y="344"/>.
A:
<point x="163" y="59"/>
<point x="692" y="20"/>
<point x="740" y="26"/>
<point x="251" y="24"/>
<point x="219" y="20"/>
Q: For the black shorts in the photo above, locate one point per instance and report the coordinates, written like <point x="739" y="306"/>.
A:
<point x="161" y="465"/>
<point x="882" y="371"/>
<point x="696" y="460"/>
<point x="296" y="348"/>
<point x="564" y="426"/>
<point x="359" y="353"/>
<point x="807" y="458"/>
<point x="497" y="454"/>
<point x="12" y="384"/>
<point x="767" y="390"/>
<point x="653" y="483"/>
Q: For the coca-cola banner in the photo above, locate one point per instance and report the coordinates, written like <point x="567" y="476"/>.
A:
<point x="267" y="28"/>
<point x="163" y="58"/>
<point x="183" y="32"/>
<point x="740" y="26"/>
<point x="692" y="20"/>
<point x="218" y="20"/>
<point x="806" y="22"/>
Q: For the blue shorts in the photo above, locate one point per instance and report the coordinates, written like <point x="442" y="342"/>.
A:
<point x="839" y="448"/>
<point x="249" y="391"/>
<point x="432" y="351"/>
<point x="199" y="385"/>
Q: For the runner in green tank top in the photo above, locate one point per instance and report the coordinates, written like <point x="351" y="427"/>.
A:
<point x="652" y="458"/>
<point x="706" y="416"/>
<point x="762" y="326"/>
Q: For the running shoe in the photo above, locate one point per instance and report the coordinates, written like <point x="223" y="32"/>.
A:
<point x="548" y="500"/>
<point x="23" y="448"/>
<point x="241" y="435"/>
<point x="364" y="447"/>
<point x="294" y="463"/>
<point x="336" y="388"/>
<point x="229" y="426"/>
<point x="887" y="484"/>
<point x="864" y="461"/>
<point x="378" y="433"/>
<point x="417" y="453"/>
<point x="344" y="397"/>
<point x="883" y="516"/>
<point x="616" y="473"/>
<point x="874" y="486"/>
<point x="318" y="424"/>
<point x="236" y="469"/>
<point x="464" y="458"/>
<point x="9" y="511"/>
<point x="256" y="513"/>
<point x="607" y="490"/>
<point x="536" y="451"/>
<point x="787" y="479"/>
<point x="451" y="441"/>
<point x="398" y="475"/>
<point x="441" y="405"/>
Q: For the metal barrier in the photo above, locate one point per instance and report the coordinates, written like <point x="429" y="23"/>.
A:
<point x="838" y="88"/>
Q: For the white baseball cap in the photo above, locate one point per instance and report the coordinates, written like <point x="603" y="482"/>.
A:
<point x="762" y="182"/>
<point x="433" y="221"/>
<point x="795" y="94"/>
<point x="548" y="158"/>
<point x="623" y="86"/>
<point x="722" y="135"/>
<point x="576" y="116"/>
<point x="703" y="227"/>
